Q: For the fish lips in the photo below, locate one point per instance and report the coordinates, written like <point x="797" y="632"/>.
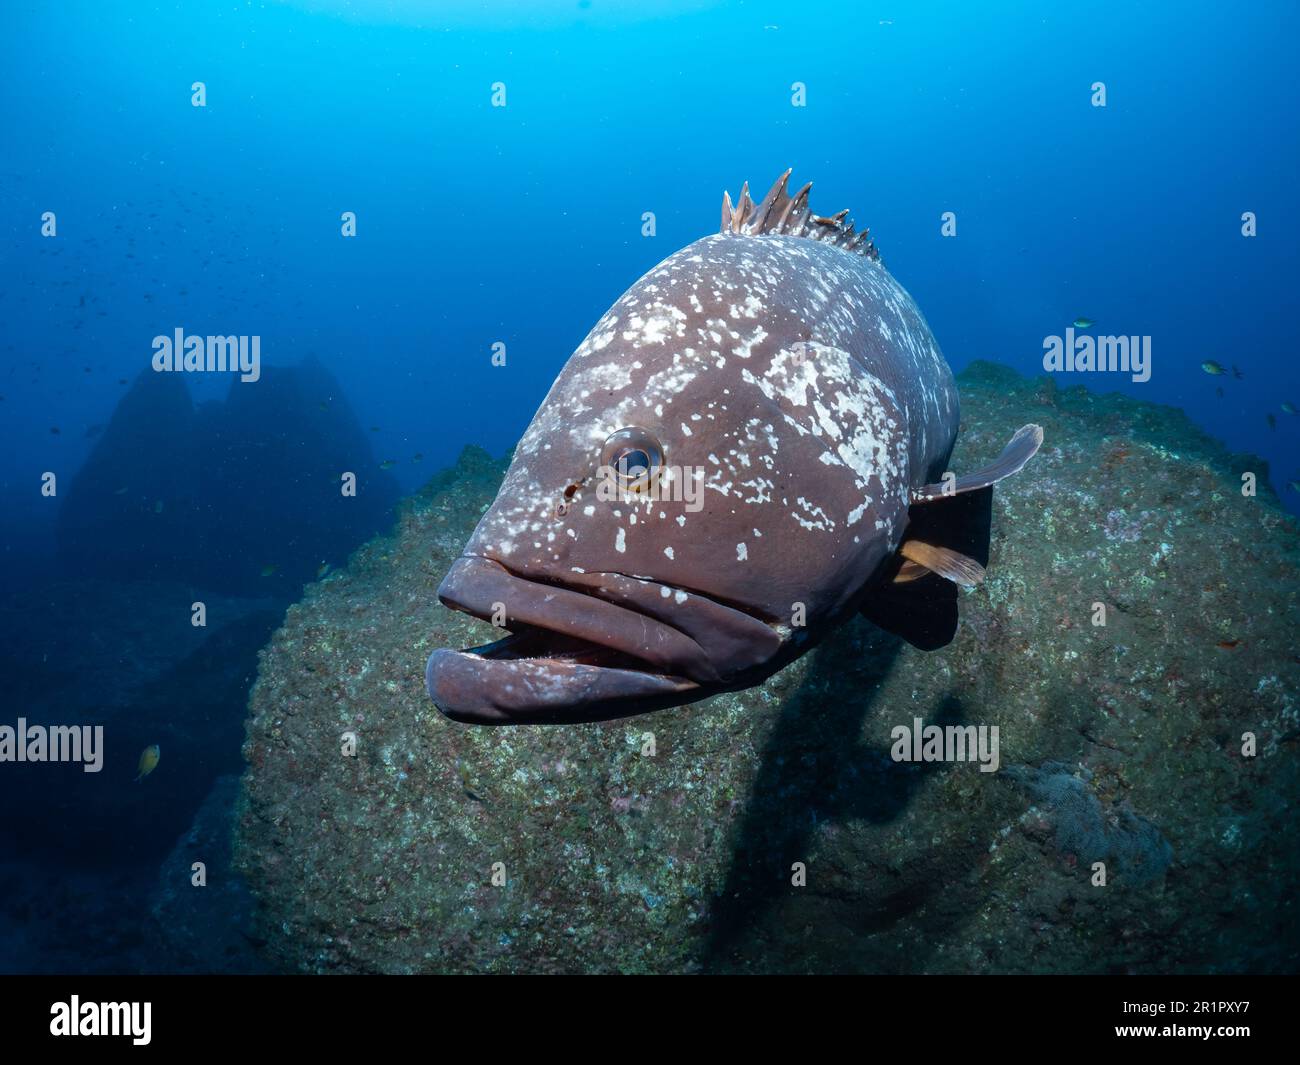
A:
<point x="481" y="691"/>
<point x="571" y="657"/>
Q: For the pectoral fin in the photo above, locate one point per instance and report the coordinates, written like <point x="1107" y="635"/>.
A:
<point x="945" y="540"/>
<point x="909" y="571"/>
<point x="947" y="563"/>
<point x="946" y="545"/>
<point x="1019" y="450"/>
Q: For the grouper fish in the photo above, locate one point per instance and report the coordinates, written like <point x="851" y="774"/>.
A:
<point x="748" y="448"/>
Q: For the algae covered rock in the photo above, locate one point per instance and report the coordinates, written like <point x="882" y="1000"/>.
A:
<point x="1133" y="644"/>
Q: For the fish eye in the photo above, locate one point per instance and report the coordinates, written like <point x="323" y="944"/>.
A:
<point x="634" y="454"/>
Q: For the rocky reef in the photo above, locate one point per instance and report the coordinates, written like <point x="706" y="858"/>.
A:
<point x="205" y="928"/>
<point x="80" y="852"/>
<point x="771" y="830"/>
<point x="148" y="504"/>
<point x="125" y="657"/>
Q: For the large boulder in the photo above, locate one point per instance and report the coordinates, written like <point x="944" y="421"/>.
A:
<point x="671" y="842"/>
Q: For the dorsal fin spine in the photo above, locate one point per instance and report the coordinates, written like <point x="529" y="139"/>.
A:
<point x="779" y="213"/>
<point x="786" y="223"/>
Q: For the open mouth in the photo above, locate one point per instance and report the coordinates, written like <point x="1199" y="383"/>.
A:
<point x="569" y="656"/>
<point x="536" y="644"/>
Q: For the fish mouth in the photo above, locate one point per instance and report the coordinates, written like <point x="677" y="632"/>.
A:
<point x="569" y="656"/>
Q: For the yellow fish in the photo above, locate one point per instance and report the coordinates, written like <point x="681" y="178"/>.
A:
<point x="148" y="761"/>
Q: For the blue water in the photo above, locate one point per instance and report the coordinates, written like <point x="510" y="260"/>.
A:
<point x="522" y="224"/>
<point x="479" y="225"/>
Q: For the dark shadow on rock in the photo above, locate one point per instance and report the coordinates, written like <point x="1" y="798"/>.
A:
<point x="812" y="771"/>
<point x="812" y="774"/>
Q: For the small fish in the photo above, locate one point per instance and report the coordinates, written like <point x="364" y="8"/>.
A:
<point x="1288" y="408"/>
<point x="1229" y="645"/>
<point x="1272" y="422"/>
<point x="418" y="457"/>
<point x="1082" y="323"/>
<point x="466" y="783"/>
<point x="1237" y="373"/>
<point x="387" y="464"/>
<point x="1212" y="368"/>
<point x="158" y="507"/>
<point x="148" y="761"/>
<point x="1219" y="391"/>
<point x="94" y="430"/>
<point x="323" y="569"/>
<point x="120" y="492"/>
<point x="268" y="570"/>
<point x="54" y="430"/>
<point x="324" y="406"/>
<point x="1294" y="486"/>
<point x="374" y="428"/>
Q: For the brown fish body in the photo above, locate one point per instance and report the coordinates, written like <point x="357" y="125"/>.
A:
<point x="723" y="470"/>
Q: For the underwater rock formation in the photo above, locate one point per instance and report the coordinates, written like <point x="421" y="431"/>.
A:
<point x="170" y="490"/>
<point x="674" y="842"/>
<point x="203" y="928"/>
<point x="144" y="674"/>
<point x="130" y="512"/>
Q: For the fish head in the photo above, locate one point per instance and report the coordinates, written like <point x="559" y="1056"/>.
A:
<point x="704" y="488"/>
